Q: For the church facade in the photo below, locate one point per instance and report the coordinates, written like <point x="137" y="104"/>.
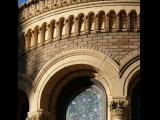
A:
<point x="79" y="60"/>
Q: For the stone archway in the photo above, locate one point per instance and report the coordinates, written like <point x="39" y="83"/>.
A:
<point x="89" y="95"/>
<point x="65" y="63"/>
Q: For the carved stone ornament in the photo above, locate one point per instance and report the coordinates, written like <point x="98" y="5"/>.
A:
<point x="37" y="116"/>
<point x="119" y="108"/>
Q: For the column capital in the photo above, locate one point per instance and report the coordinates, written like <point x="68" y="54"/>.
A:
<point x="118" y="108"/>
<point x="37" y="115"/>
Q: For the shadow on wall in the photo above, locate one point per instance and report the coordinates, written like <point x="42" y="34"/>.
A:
<point x="135" y="115"/>
<point x="23" y="105"/>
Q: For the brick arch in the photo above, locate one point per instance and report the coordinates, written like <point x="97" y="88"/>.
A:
<point x="61" y="64"/>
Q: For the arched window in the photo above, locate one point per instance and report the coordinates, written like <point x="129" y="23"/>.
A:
<point x="81" y="99"/>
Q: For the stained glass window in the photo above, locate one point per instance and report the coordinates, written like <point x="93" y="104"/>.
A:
<point x="87" y="105"/>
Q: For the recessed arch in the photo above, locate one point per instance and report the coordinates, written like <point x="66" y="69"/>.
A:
<point x="122" y="20"/>
<point x="61" y="26"/>
<point x="52" y="29"/>
<point x="133" y="20"/>
<point x="101" y="20"/>
<point x="70" y="25"/>
<point x="91" y="21"/>
<point x="60" y="65"/>
<point x="81" y="22"/>
<point x="77" y="87"/>
<point x="132" y="71"/>
<point x="43" y="31"/>
<point x="112" y="20"/>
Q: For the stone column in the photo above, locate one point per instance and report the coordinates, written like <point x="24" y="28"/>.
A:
<point x="26" y="43"/>
<point x="138" y="22"/>
<point x="40" y="36"/>
<point x="46" y="37"/>
<point x="96" y="23"/>
<point x="128" y="22"/>
<point x="76" y="27"/>
<point x="64" y="28"/>
<point x="117" y="28"/>
<point x="73" y="30"/>
<point x="33" y="43"/>
<point x="86" y="24"/>
<point x="119" y="109"/>
<point x="49" y="33"/>
<point x="38" y="115"/>
<point x="57" y="31"/>
<point x="67" y="28"/>
<point x="107" y="23"/>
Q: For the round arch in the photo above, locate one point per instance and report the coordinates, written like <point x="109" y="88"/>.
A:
<point x="132" y="70"/>
<point x="94" y="78"/>
<point x="66" y="62"/>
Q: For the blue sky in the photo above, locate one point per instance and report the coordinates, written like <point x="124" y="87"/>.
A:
<point x="21" y="1"/>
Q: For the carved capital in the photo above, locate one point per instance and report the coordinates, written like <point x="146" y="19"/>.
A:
<point x="119" y="108"/>
<point x="39" y="115"/>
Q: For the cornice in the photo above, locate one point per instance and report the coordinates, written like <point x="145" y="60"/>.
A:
<point x="69" y="8"/>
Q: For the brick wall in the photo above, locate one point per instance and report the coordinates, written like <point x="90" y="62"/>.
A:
<point x="118" y="44"/>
